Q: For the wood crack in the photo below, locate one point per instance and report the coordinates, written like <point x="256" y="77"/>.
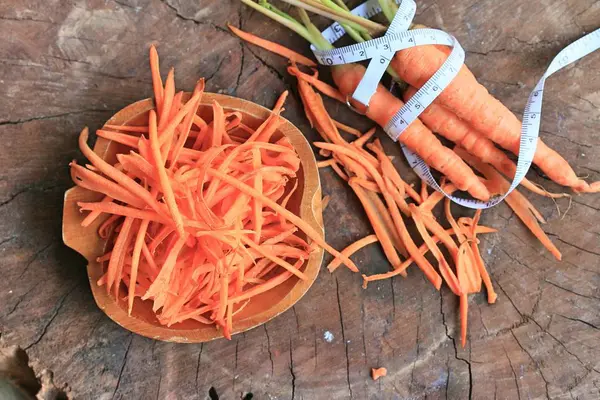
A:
<point x="537" y="366"/>
<point x="581" y="321"/>
<point x="575" y="246"/>
<point x="43" y="117"/>
<point x="292" y="370"/>
<point x="571" y="291"/>
<point x="198" y="369"/>
<point x="455" y="347"/>
<point x="514" y="373"/>
<point x="32" y="260"/>
<point x="123" y="365"/>
<point x="55" y="312"/>
<point x="269" y="348"/>
<point x="566" y="138"/>
<point x="179" y="15"/>
<point x="337" y="290"/>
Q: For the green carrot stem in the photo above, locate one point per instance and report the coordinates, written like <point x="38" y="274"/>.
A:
<point x="389" y="9"/>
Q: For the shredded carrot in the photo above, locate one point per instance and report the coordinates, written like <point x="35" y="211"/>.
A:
<point x="197" y="221"/>
<point x="272" y="47"/>
<point x="347" y="129"/>
<point x="515" y="200"/>
<point x="353" y="248"/>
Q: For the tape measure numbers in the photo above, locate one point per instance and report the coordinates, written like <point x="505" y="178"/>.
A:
<point x="381" y="51"/>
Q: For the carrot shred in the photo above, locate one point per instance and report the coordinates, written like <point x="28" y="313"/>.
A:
<point x="272" y="47"/>
<point x="197" y="218"/>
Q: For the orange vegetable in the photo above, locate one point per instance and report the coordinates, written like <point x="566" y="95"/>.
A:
<point x="197" y="229"/>
<point x="272" y="47"/>
<point x="441" y="120"/>
<point x="377" y="373"/>
<point x="471" y="102"/>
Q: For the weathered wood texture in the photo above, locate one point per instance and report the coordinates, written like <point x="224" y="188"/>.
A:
<point x="66" y="64"/>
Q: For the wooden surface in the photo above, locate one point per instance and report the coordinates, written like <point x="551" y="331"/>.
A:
<point x="66" y="64"/>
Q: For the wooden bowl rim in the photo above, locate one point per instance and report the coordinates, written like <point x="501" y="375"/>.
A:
<point x="310" y="211"/>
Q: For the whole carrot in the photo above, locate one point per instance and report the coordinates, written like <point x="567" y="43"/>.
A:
<point x="417" y="137"/>
<point x="470" y="101"/>
<point x="441" y="120"/>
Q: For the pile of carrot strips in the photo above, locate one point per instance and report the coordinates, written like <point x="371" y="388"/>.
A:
<point x="389" y="202"/>
<point x="196" y="212"/>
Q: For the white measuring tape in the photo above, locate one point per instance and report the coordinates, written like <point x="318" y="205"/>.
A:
<point x="381" y="50"/>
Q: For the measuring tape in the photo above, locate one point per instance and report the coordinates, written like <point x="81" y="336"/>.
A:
<point x="380" y="51"/>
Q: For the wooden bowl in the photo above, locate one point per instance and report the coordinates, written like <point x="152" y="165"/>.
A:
<point x="306" y="202"/>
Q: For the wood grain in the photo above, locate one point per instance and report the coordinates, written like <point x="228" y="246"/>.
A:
<point x="70" y="63"/>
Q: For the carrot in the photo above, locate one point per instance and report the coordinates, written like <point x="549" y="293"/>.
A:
<point x="445" y="269"/>
<point x="471" y="102"/>
<point x="526" y="212"/>
<point x="156" y="79"/>
<point x="306" y="228"/>
<point x="321" y="86"/>
<point x="377" y="373"/>
<point x="162" y="174"/>
<point x="441" y="120"/>
<point x="416" y="137"/>
<point x="272" y="47"/>
<point x="423" y="249"/>
<point x="412" y="249"/>
<point x="115" y="174"/>
<point x="492" y="296"/>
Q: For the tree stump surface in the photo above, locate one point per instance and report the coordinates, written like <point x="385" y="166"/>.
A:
<point x="67" y="64"/>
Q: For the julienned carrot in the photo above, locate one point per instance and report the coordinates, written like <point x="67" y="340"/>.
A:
<point x="156" y="79"/>
<point x="412" y="249"/>
<point x="321" y="86"/>
<point x="159" y="164"/>
<point x="382" y="231"/>
<point x="440" y="120"/>
<point x="197" y="231"/>
<point x="423" y="249"/>
<point x="424" y="192"/>
<point x="492" y="296"/>
<point x="347" y="129"/>
<point x="118" y="255"/>
<point x="306" y="228"/>
<point x="464" y="301"/>
<point x="272" y="47"/>
<point x="445" y="269"/>
<point x="377" y="373"/>
<point x="468" y="275"/>
<point x="365" y="138"/>
<point x="168" y="95"/>
<point x="117" y="175"/>
<point x="515" y="200"/>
